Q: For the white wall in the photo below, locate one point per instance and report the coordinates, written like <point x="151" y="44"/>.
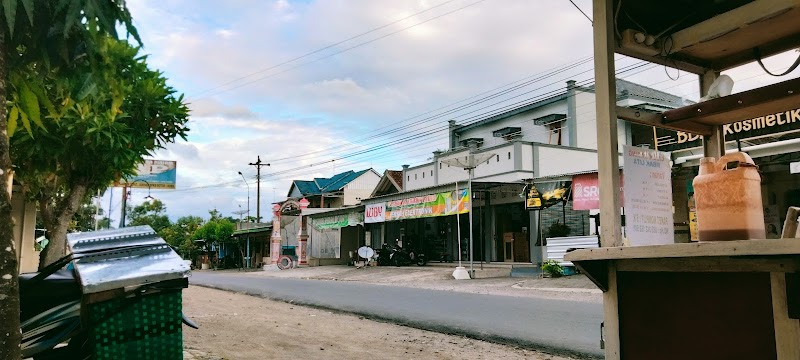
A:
<point x="360" y="188"/>
<point x="530" y="132"/>
<point x="557" y="161"/>
<point x="419" y="177"/>
<point x="448" y="174"/>
<point x="586" y="119"/>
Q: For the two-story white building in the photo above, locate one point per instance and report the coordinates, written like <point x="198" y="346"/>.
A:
<point x="545" y="141"/>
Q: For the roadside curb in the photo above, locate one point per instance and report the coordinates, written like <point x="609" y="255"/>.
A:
<point x="564" y="290"/>
<point x="449" y="330"/>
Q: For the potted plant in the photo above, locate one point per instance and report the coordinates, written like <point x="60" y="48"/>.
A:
<point x="552" y="268"/>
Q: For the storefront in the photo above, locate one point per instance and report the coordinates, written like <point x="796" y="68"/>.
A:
<point x="434" y="219"/>
<point x="772" y="140"/>
<point x="334" y="234"/>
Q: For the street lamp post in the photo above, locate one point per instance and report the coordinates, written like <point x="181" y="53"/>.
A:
<point x="247" y="258"/>
<point x="469" y="163"/>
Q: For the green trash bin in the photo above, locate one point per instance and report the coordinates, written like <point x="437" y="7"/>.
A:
<point x="142" y="327"/>
<point x="132" y="284"/>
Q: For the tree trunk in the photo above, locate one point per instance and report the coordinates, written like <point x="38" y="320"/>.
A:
<point x="10" y="336"/>
<point x="56" y="217"/>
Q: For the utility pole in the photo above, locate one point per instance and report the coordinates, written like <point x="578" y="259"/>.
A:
<point x="258" y="164"/>
<point x="124" y="205"/>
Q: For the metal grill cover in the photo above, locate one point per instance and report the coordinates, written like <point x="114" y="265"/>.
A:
<point x="118" y="258"/>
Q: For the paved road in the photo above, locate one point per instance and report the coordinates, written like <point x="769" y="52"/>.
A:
<point x="556" y="325"/>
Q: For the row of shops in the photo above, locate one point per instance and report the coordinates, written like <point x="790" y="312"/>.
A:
<point x="435" y="220"/>
<point x="506" y="227"/>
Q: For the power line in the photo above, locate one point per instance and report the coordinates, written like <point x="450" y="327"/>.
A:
<point x="341" y="51"/>
<point x="395" y="128"/>
<point x="416" y="136"/>
<point x="581" y="10"/>
<point x="323" y="48"/>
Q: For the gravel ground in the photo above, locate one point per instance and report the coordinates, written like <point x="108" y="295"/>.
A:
<point x="236" y="326"/>
<point x="576" y="288"/>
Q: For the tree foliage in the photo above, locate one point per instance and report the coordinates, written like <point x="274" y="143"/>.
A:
<point x="217" y="229"/>
<point x="103" y="119"/>
<point x="152" y="213"/>
<point x="45" y="34"/>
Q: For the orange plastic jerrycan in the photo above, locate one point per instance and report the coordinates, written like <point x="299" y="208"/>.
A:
<point x="727" y="195"/>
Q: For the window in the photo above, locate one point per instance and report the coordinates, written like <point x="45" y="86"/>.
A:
<point x="440" y="166"/>
<point x="498" y="158"/>
<point x="509" y="155"/>
<point x="431" y="172"/>
<point x="415" y="176"/>
<point x="408" y="178"/>
<point x="423" y="175"/>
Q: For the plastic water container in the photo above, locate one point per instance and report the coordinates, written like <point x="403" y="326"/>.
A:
<point x="728" y="199"/>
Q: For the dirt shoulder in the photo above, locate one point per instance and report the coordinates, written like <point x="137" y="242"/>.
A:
<point x="237" y="326"/>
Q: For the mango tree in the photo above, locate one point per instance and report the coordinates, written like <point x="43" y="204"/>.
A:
<point x="47" y="33"/>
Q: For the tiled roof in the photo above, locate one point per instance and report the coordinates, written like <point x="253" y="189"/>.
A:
<point x="340" y="180"/>
<point x="333" y="183"/>
<point x="397" y="177"/>
<point x="307" y="187"/>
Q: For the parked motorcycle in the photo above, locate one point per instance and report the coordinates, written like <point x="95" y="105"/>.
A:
<point x="400" y="257"/>
<point x="419" y="258"/>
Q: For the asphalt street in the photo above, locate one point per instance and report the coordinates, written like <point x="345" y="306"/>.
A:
<point x="556" y="325"/>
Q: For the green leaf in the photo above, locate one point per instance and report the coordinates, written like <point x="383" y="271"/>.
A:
<point x="28" y="5"/>
<point x="12" y="120"/>
<point x="88" y="88"/>
<point x="26" y="123"/>
<point x="10" y="8"/>
<point x="39" y="91"/>
<point x="73" y="16"/>
<point x="30" y="104"/>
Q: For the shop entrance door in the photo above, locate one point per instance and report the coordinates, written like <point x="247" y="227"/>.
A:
<point x="512" y="219"/>
<point x="508" y="247"/>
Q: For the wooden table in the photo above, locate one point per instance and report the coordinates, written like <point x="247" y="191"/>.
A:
<point x="719" y="300"/>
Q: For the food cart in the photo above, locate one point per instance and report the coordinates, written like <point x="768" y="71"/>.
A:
<point x="709" y="300"/>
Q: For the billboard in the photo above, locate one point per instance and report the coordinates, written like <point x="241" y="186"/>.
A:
<point x="586" y="191"/>
<point x="154" y="174"/>
<point x="441" y="204"/>
<point x="769" y="124"/>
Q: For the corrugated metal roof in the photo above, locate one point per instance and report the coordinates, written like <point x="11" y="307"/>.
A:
<point x="267" y="228"/>
<point x="336" y="211"/>
<point x="430" y="190"/>
<point x="561" y="176"/>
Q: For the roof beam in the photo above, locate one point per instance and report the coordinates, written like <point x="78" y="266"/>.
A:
<point x="654" y="119"/>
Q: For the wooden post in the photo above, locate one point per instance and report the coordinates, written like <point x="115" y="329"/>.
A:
<point x="713" y="145"/>
<point x="607" y="138"/>
<point x="611" y="315"/>
<point x="787" y="330"/>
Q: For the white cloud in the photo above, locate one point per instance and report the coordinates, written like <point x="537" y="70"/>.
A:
<point x="334" y="101"/>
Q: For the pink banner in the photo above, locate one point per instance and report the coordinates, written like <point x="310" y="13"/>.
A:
<point x="586" y="192"/>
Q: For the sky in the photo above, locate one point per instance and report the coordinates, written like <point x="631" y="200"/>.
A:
<point x="317" y="87"/>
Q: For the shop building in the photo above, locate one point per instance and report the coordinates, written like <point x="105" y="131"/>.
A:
<point x="547" y="140"/>
<point x="293" y="231"/>
<point x="343" y="189"/>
